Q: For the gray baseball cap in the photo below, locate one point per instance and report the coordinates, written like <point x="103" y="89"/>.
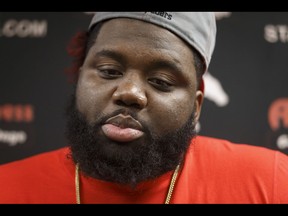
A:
<point x="197" y="28"/>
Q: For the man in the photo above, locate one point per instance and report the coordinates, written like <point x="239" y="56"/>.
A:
<point x="131" y="124"/>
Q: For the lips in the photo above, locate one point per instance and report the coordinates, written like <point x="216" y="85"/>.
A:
<point x="122" y="128"/>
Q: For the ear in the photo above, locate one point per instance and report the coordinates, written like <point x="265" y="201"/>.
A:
<point x="199" y="100"/>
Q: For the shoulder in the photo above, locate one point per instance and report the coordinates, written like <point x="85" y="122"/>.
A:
<point x="33" y="164"/>
<point x="255" y="171"/>
<point x="226" y="146"/>
<point x="225" y="150"/>
<point x="33" y="179"/>
<point x="44" y="156"/>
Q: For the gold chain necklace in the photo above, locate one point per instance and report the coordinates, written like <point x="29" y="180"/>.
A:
<point x="168" y="197"/>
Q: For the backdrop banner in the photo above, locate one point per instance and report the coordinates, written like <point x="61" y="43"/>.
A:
<point x="246" y="90"/>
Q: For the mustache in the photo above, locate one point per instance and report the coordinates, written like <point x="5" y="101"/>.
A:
<point x="123" y="111"/>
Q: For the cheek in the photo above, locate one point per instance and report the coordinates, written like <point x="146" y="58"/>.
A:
<point x="171" y="114"/>
<point x="90" y="98"/>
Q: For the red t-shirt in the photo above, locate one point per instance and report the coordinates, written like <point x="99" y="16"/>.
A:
<point x="214" y="171"/>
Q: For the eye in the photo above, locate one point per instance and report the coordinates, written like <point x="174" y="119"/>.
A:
<point x="160" y="84"/>
<point x="110" y="73"/>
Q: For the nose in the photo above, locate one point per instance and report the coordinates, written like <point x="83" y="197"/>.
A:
<point x="130" y="93"/>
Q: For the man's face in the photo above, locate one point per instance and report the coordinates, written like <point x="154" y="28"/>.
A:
<point x="137" y="86"/>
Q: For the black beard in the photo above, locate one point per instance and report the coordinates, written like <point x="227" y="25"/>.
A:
<point x="129" y="163"/>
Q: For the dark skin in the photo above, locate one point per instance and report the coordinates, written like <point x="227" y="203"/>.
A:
<point x="144" y="79"/>
<point x="136" y="102"/>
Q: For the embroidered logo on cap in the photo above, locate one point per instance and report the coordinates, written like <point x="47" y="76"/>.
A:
<point x="162" y="14"/>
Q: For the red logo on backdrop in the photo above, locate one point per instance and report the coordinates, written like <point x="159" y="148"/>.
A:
<point x="15" y="124"/>
<point x="16" y="113"/>
<point x="278" y="122"/>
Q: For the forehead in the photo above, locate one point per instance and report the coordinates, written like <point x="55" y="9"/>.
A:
<point x="125" y="33"/>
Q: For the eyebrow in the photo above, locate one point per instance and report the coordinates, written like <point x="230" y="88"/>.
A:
<point x="111" y="54"/>
<point x="172" y="65"/>
<point x="156" y="63"/>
